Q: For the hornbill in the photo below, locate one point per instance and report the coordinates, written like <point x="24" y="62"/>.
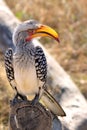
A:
<point x="26" y="67"/>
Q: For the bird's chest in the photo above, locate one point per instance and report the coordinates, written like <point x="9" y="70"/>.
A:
<point x="25" y="74"/>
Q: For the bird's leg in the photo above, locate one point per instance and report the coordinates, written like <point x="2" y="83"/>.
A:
<point x="19" y="95"/>
<point x="36" y="98"/>
<point x="15" y="100"/>
<point x="22" y="96"/>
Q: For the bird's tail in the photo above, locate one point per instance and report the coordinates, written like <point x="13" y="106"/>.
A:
<point x="52" y="104"/>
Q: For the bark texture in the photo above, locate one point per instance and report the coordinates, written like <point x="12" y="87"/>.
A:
<point x="24" y="116"/>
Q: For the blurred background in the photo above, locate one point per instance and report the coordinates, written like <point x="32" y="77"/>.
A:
<point x="69" y="19"/>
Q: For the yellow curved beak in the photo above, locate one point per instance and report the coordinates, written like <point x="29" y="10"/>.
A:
<point x="45" y="31"/>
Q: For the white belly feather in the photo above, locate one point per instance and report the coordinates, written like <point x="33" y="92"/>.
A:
<point x="26" y="79"/>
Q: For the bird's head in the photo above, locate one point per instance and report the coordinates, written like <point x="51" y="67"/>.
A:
<point x="31" y="29"/>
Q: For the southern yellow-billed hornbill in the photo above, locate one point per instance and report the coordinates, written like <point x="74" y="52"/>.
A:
<point x="26" y="67"/>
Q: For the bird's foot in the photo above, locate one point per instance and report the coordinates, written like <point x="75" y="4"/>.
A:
<point x="16" y="99"/>
<point x="35" y="100"/>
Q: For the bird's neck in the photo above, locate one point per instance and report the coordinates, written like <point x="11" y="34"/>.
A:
<point x="25" y="48"/>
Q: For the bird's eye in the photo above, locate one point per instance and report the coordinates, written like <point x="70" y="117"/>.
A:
<point x="31" y="31"/>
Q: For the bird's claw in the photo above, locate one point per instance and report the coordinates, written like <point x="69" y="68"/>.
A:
<point x="14" y="101"/>
<point x="24" y="98"/>
<point x="17" y="100"/>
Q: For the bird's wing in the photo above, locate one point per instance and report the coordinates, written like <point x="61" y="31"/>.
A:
<point x="40" y="64"/>
<point x="52" y="104"/>
<point x="41" y="70"/>
<point x="9" y="67"/>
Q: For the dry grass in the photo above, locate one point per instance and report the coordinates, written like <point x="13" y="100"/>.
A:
<point x="69" y="18"/>
<point x="5" y="95"/>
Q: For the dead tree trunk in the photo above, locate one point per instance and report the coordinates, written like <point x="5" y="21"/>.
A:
<point x="24" y="116"/>
<point x="69" y="96"/>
